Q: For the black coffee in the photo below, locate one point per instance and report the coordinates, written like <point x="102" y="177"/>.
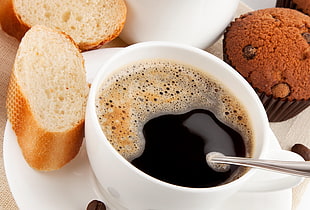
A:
<point x="144" y="105"/>
<point x="176" y="147"/>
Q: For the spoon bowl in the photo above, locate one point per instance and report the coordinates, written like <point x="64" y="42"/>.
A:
<point x="221" y="163"/>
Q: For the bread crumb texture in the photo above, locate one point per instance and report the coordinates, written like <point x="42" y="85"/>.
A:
<point x="46" y="98"/>
<point x="90" y="22"/>
<point x="270" y="48"/>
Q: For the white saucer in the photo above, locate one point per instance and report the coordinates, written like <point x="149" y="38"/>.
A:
<point x="74" y="186"/>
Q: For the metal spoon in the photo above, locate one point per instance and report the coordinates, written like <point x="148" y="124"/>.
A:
<point x="219" y="162"/>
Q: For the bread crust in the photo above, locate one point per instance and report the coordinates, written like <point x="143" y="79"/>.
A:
<point x="9" y="21"/>
<point x="13" y="25"/>
<point x="42" y="149"/>
<point x="98" y="44"/>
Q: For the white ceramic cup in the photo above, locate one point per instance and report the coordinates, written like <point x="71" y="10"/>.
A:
<point x="125" y="186"/>
<point x="196" y="22"/>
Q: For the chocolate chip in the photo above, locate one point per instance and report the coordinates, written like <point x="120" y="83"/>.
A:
<point x="281" y="90"/>
<point x="302" y="150"/>
<point x="245" y="15"/>
<point x="306" y="36"/>
<point x="96" y="205"/>
<point x="249" y="52"/>
<point x="306" y="54"/>
<point x="275" y="17"/>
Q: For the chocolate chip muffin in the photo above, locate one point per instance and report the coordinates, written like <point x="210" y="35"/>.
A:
<point x="270" y="49"/>
<point x="301" y="5"/>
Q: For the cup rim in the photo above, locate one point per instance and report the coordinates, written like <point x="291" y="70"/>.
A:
<point x="92" y="111"/>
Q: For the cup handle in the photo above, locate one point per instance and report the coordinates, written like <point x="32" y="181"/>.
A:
<point x="264" y="181"/>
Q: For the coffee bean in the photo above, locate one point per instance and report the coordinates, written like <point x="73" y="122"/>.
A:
<point x="96" y="205"/>
<point x="249" y="52"/>
<point x="306" y="36"/>
<point x="302" y="150"/>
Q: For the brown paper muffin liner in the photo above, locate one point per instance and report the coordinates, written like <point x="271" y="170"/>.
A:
<point x="280" y="110"/>
<point x="277" y="109"/>
<point x="286" y="4"/>
<point x="290" y="4"/>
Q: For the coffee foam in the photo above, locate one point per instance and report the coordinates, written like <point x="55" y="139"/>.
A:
<point x="143" y="90"/>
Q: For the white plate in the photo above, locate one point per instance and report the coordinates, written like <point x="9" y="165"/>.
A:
<point x="73" y="186"/>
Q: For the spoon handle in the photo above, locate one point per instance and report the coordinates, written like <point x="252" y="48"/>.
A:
<point x="299" y="168"/>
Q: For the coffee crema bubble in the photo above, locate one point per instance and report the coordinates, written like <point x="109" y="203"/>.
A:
<point x="146" y="89"/>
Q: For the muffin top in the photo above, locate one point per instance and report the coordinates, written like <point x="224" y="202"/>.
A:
<point x="303" y="5"/>
<point x="270" y="48"/>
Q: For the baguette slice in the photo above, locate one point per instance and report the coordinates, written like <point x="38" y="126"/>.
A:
<point x="9" y="22"/>
<point x="46" y="98"/>
<point x="90" y="23"/>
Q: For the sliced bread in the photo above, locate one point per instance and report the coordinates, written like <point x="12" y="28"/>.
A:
<point x="9" y="22"/>
<point x="47" y="97"/>
<point x="90" y="23"/>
